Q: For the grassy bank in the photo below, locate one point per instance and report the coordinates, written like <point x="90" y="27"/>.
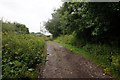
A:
<point x="20" y="54"/>
<point x="107" y="57"/>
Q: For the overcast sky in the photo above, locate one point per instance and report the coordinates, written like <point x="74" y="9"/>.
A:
<point x="28" y="12"/>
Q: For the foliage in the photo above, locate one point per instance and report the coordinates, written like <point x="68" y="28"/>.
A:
<point x="20" y="53"/>
<point x="95" y="22"/>
<point x="14" y="27"/>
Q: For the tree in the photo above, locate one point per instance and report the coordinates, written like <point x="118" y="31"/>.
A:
<point x="88" y="21"/>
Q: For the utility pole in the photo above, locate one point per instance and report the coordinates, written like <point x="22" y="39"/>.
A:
<point x="40" y="28"/>
<point x="1" y="19"/>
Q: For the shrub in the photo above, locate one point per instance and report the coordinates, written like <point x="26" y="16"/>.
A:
<point x="20" y="53"/>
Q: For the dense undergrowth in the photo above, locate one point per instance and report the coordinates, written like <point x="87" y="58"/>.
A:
<point x="106" y="56"/>
<point x="21" y="51"/>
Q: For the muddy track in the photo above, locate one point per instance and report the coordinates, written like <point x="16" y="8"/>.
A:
<point x="63" y="63"/>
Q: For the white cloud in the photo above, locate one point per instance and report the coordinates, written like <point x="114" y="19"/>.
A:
<point x="28" y="12"/>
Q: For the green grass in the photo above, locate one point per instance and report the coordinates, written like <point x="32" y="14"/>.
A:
<point x="105" y="56"/>
<point x="20" y="54"/>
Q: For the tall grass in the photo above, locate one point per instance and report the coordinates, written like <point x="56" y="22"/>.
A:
<point x="108" y="57"/>
<point x="20" y="53"/>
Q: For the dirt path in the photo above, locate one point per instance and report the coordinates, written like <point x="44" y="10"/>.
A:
<point x="62" y="63"/>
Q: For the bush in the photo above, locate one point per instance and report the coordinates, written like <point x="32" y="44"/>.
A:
<point x="14" y="28"/>
<point x="20" y="53"/>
